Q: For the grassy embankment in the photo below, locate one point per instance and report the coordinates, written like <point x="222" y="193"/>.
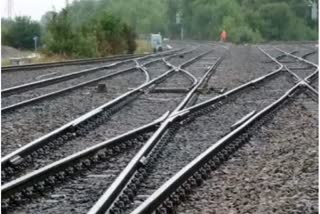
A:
<point x="143" y="46"/>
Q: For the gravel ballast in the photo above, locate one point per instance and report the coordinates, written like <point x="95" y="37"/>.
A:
<point x="196" y="137"/>
<point x="31" y="122"/>
<point x="22" y="96"/>
<point x="145" y="109"/>
<point x="240" y="65"/>
<point x="277" y="172"/>
<point x="15" y="78"/>
<point x="141" y="111"/>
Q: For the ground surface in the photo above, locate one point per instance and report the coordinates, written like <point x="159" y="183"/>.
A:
<point x="276" y="172"/>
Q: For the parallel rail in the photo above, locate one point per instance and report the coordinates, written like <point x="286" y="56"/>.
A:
<point x="176" y="188"/>
<point x="68" y="89"/>
<point x="115" y="198"/>
<point x="69" y="62"/>
<point x="13" y="162"/>
<point x="46" y="82"/>
<point x="37" y="180"/>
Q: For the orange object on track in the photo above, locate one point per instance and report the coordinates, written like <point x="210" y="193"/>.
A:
<point x="223" y="36"/>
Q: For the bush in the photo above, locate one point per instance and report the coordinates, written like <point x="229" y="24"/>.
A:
<point x="238" y="31"/>
<point x="19" y="32"/>
<point x="101" y="36"/>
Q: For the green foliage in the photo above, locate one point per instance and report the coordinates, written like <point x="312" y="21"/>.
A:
<point x="19" y="32"/>
<point x="104" y="34"/>
<point x="97" y="28"/>
<point x="274" y="20"/>
<point x="247" y="20"/>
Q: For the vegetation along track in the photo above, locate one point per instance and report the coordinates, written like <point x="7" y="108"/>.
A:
<point x="135" y="111"/>
<point x="83" y="204"/>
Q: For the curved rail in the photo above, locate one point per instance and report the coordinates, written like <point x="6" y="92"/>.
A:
<point x="32" y="85"/>
<point x="78" y="126"/>
<point x="108" y="199"/>
<point x="53" y="172"/>
<point x="310" y="77"/>
<point x="61" y="91"/>
<point x="39" y="175"/>
<point x="175" y="189"/>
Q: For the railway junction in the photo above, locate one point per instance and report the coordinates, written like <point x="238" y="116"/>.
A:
<point x="205" y="127"/>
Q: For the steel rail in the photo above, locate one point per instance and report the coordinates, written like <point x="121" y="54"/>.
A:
<point x="292" y="73"/>
<point x="314" y="92"/>
<point x="305" y="81"/>
<point x="190" y="76"/>
<point x="61" y="91"/>
<point x="79" y="125"/>
<point x="141" y="68"/>
<point x="108" y="201"/>
<point x="196" y="87"/>
<point x="238" y="89"/>
<point x="20" y="184"/>
<point x="197" y="170"/>
<point x="309" y="78"/>
<point x="46" y="82"/>
<point x="49" y="81"/>
<point x="85" y="116"/>
<point x="282" y="56"/>
<point x="109" y="197"/>
<point x="309" y="54"/>
<point x="298" y="58"/>
<point x="31" y="179"/>
<point x="68" y="62"/>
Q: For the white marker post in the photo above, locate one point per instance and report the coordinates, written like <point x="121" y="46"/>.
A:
<point x="35" y="39"/>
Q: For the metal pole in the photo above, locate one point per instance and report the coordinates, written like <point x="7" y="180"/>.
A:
<point x="35" y="39"/>
<point x="182" y="32"/>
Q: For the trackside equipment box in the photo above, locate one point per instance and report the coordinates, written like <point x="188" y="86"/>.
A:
<point x="156" y="42"/>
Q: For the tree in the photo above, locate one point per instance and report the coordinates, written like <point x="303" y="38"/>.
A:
<point x="104" y="34"/>
<point x="19" y="32"/>
<point x="275" y="17"/>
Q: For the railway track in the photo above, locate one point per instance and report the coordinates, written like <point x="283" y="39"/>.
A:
<point x="266" y="167"/>
<point x="212" y="67"/>
<point x="171" y="193"/>
<point x="33" y="72"/>
<point x="140" y="176"/>
<point x="55" y="112"/>
<point x="132" y="111"/>
<point x="278" y="163"/>
<point x="144" y="179"/>
<point x="174" y="190"/>
<point x="29" y="93"/>
<point x="241" y="65"/>
<point x="156" y="169"/>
